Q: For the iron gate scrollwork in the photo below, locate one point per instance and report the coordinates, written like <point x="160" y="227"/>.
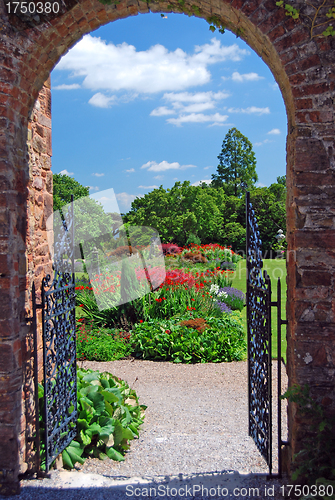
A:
<point x="59" y="342"/>
<point x="258" y="301"/>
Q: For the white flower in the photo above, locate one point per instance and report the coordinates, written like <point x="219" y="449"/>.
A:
<point x="214" y="289"/>
<point x="222" y="294"/>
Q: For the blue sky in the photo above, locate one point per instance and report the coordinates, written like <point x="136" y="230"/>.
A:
<point x="146" y="101"/>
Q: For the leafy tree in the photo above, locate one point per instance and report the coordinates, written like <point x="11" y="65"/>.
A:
<point x="183" y="210"/>
<point x="237" y="167"/>
<point x="209" y="214"/>
<point x="63" y="187"/>
<point x="270" y="209"/>
<point x="93" y="227"/>
<point x="281" y="179"/>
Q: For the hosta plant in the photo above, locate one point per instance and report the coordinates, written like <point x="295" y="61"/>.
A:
<point x="109" y="416"/>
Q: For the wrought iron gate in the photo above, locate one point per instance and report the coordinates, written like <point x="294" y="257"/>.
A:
<point x="258" y="301"/>
<point x="59" y="343"/>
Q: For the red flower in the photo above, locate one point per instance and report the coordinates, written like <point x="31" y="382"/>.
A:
<point x="81" y="305"/>
<point x="141" y="320"/>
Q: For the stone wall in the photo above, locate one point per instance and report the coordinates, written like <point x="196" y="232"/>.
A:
<point x="303" y="67"/>
<point x="38" y="261"/>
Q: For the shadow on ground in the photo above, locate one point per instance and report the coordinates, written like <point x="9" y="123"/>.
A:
<point x="213" y="485"/>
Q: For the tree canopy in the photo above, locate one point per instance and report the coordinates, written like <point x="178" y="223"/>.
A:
<point x="237" y="168"/>
<point x="63" y="187"/>
<point x="93" y="226"/>
<point x="210" y="214"/>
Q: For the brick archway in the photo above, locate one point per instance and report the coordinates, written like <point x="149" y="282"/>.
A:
<point x="302" y="67"/>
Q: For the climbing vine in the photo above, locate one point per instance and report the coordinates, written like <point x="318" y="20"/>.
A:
<point x="179" y="5"/>
<point x="315" y="19"/>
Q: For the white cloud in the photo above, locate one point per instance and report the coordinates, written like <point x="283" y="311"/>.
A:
<point x="216" y="119"/>
<point x="130" y="170"/>
<point x="206" y="181"/>
<point x="246" y="77"/>
<point x="274" y="131"/>
<point x="195" y="98"/>
<point x="105" y="66"/>
<point x="162" y="111"/>
<point x="260" y="184"/>
<point x="125" y="200"/>
<point x="93" y="188"/>
<point x="206" y="168"/>
<point x="64" y="86"/>
<point x="266" y="141"/>
<point x="98" y="175"/>
<point x="159" y="177"/>
<point x="250" y="110"/>
<point x="65" y="172"/>
<point x="107" y="199"/>
<point x="190" y="107"/>
<point x="101" y="100"/>
<point x="153" y="166"/>
<point x="148" y="187"/>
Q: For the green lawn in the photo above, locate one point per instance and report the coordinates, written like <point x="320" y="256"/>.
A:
<point x="275" y="269"/>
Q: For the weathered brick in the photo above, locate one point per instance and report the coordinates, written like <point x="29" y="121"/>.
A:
<point x="303" y="69"/>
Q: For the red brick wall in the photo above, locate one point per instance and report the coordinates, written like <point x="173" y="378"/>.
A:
<point x="304" y="70"/>
<point x="38" y="261"/>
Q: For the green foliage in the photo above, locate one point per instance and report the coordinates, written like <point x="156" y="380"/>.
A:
<point x="109" y="416"/>
<point x="270" y="209"/>
<point x="101" y="344"/>
<point x="237" y="165"/>
<point x="312" y="21"/>
<point x="93" y="227"/>
<point x="209" y="213"/>
<point x="63" y="187"/>
<point x="89" y="310"/>
<point x="281" y="179"/>
<point x="290" y="11"/>
<point x="175" y="213"/>
<point x="167" y="340"/>
<point x="215" y="23"/>
<point x="193" y="240"/>
<point x="316" y="461"/>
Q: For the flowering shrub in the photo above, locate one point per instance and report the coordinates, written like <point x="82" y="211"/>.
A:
<point x="171" y="249"/>
<point x="178" y="277"/>
<point x="214" y="251"/>
<point x="231" y="297"/>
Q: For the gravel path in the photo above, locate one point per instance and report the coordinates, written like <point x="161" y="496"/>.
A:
<point x="195" y="433"/>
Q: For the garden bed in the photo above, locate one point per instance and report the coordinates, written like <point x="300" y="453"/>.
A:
<point x="163" y="324"/>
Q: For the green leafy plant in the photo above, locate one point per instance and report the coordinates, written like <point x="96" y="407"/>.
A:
<point x="215" y="23"/>
<point x="168" y="340"/>
<point x="290" y="11"/>
<point x="109" y="416"/>
<point x="101" y="344"/>
<point x="315" y="463"/>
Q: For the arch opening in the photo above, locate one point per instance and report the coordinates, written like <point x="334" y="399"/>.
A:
<point x="301" y="68"/>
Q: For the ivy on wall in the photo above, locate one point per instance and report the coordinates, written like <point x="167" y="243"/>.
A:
<point x="314" y="16"/>
<point x="179" y="5"/>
